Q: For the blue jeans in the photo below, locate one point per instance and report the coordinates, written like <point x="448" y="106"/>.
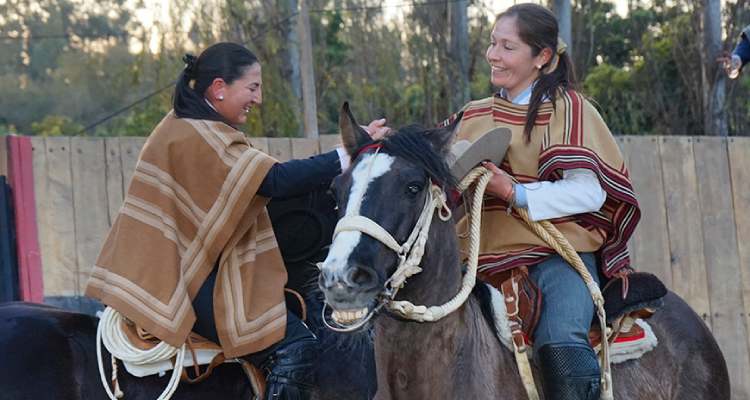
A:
<point x="567" y="308"/>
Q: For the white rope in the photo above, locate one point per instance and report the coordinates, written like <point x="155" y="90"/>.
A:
<point x="120" y="347"/>
<point x="434" y="313"/>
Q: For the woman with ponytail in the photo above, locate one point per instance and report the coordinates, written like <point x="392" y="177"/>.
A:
<point x="562" y="165"/>
<point x="192" y="248"/>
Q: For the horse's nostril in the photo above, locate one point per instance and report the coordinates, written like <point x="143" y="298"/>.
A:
<point x="361" y="276"/>
<point x="325" y="280"/>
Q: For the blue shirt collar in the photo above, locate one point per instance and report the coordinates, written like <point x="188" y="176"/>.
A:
<point x="523" y="98"/>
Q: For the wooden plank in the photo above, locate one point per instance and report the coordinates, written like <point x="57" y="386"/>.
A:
<point x="652" y="242"/>
<point x="43" y="210"/>
<point x="260" y="143"/>
<point x="27" y="238"/>
<point x="722" y="259"/>
<point x="130" y="149"/>
<point x="739" y="163"/>
<point x="624" y="143"/>
<point x="91" y="211"/>
<point x="280" y="148"/>
<point x="684" y="223"/>
<point x="114" y="178"/>
<point x="55" y="218"/>
<point x="4" y="155"/>
<point x="304" y="147"/>
<point x="329" y="142"/>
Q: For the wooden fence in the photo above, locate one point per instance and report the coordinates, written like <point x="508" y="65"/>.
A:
<point x="694" y="233"/>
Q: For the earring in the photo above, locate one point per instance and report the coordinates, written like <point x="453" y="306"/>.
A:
<point x="538" y="67"/>
<point x="220" y="97"/>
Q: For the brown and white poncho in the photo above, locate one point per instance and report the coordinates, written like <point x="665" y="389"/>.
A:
<point x="192" y="200"/>
<point x="569" y="137"/>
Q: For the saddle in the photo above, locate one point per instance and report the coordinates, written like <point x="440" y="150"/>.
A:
<point x="628" y="297"/>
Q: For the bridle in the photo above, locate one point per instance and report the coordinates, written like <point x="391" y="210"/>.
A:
<point x="409" y="253"/>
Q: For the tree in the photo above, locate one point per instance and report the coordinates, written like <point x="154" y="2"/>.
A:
<point x="563" y="12"/>
<point x="459" y="53"/>
<point x="307" y="73"/>
<point x="714" y="80"/>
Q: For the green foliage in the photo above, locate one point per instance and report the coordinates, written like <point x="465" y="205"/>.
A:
<point x="55" y="125"/>
<point x="612" y="90"/>
<point x="643" y="69"/>
<point x="6" y="129"/>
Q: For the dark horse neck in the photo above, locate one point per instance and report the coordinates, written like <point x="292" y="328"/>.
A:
<point x="438" y="359"/>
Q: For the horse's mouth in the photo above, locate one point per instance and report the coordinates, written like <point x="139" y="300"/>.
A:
<point x="349" y="317"/>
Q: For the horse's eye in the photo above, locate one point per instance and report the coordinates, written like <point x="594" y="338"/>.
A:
<point x="413" y="189"/>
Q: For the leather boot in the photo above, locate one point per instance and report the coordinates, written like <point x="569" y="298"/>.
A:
<point x="570" y="371"/>
<point x="291" y="370"/>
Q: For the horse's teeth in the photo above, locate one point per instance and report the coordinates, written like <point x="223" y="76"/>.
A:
<point x="348" y="316"/>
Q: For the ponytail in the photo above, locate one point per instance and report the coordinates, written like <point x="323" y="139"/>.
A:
<point x="557" y="77"/>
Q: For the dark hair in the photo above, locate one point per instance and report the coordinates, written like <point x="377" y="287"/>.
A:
<point x="225" y="60"/>
<point x="538" y="28"/>
<point x="411" y="143"/>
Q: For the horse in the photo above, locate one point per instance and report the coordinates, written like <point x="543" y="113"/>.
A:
<point x="460" y="356"/>
<point x="49" y="352"/>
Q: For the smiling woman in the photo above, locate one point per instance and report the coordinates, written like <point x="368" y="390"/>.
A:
<point x="193" y="248"/>
<point x="222" y="84"/>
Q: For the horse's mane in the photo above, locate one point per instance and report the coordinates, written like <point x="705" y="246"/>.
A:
<point x="411" y="143"/>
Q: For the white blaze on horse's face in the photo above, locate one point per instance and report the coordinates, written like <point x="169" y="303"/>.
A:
<point x="370" y="168"/>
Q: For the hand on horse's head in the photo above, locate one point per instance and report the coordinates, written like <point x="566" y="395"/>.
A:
<point x="377" y="129"/>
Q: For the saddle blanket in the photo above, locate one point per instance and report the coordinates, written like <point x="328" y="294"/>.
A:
<point x="624" y="348"/>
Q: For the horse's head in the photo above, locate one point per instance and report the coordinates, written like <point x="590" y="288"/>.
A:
<point x="380" y="200"/>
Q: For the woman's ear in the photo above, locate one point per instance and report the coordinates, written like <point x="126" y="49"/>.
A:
<point x="216" y="90"/>
<point x="543" y="58"/>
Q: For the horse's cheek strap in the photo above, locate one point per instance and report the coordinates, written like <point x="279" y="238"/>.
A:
<point x="358" y="223"/>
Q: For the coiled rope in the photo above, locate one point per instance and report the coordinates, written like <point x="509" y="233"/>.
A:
<point x="110" y="333"/>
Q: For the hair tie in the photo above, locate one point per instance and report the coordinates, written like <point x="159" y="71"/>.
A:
<point x="190" y="65"/>
<point x="559" y="51"/>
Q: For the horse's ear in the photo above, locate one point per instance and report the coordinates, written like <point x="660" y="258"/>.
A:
<point x="352" y="135"/>
<point x="442" y="138"/>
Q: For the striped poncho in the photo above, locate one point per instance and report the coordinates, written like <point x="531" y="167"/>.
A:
<point x="192" y="201"/>
<point x="571" y="135"/>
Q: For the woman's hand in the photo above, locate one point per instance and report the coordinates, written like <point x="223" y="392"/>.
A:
<point x="501" y="184"/>
<point x="377" y="129"/>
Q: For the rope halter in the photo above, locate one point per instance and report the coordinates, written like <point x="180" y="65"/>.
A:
<point x="409" y="253"/>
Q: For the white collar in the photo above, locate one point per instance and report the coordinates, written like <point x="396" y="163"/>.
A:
<point x="209" y="104"/>
<point x="523" y="98"/>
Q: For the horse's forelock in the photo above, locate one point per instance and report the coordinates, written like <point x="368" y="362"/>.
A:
<point x="412" y="144"/>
